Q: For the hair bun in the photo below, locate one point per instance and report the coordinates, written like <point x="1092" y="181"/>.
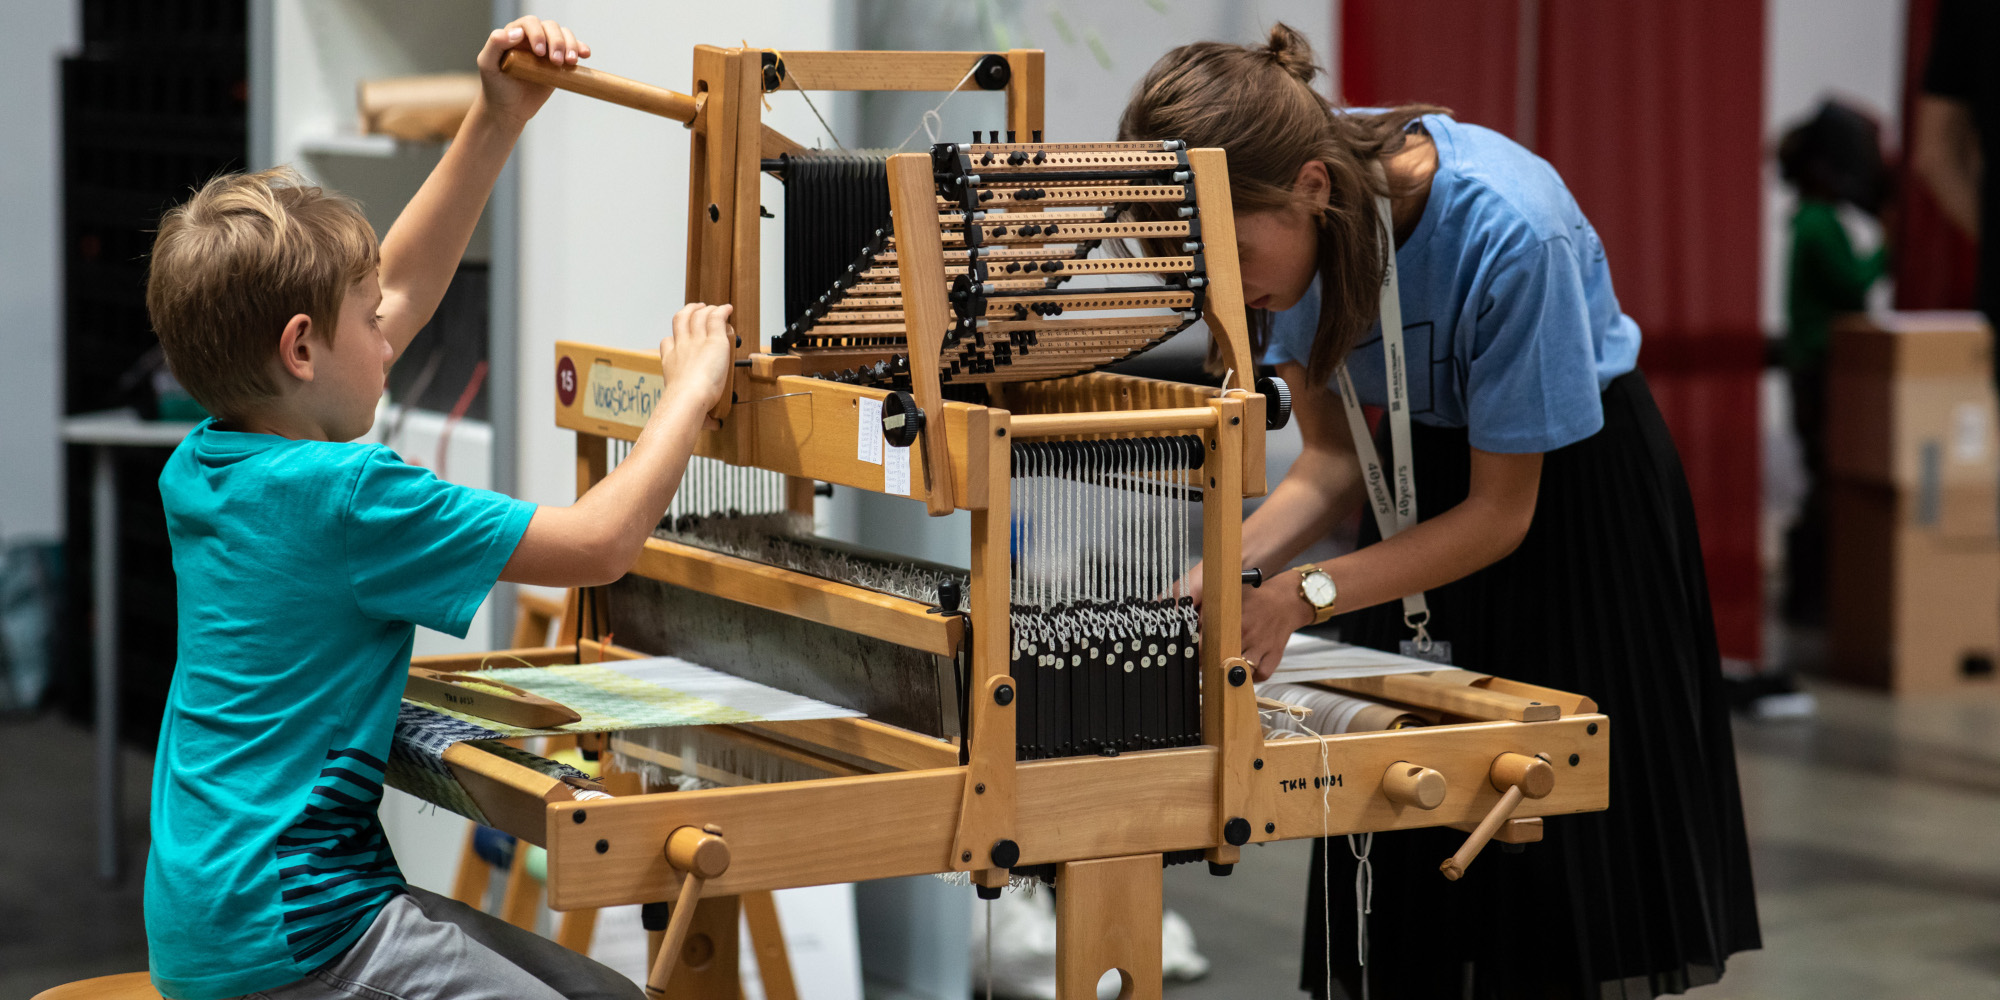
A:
<point x="1292" y="52"/>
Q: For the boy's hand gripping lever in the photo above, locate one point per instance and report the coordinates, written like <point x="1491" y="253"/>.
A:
<point x="703" y="855"/>
<point x="1517" y="776"/>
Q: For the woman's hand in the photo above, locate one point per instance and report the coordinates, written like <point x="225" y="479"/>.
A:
<point x="1191" y="584"/>
<point x="1271" y="613"/>
<point x="516" y="101"/>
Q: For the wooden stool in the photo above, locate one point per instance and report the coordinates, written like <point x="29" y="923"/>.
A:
<point x="127" y="986"/>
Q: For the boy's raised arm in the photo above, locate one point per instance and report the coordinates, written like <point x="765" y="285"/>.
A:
<point x="595" y="540"/>
<point x="423" y="248"/>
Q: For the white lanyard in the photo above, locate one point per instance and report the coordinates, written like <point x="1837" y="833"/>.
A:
<point x="1394" y="501"/>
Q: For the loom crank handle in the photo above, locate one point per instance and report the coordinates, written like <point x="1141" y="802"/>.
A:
<point x="703" y="855"/>
<point x="1517" y="776"/>
<point x="603" y="86"/>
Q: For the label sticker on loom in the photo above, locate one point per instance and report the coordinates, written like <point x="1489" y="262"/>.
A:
<point x="868" y="434"/>
<point x="895" y="469"/>
<point x="621" y="395"/>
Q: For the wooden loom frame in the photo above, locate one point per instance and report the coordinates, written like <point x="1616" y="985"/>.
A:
<point x="898" y="803"/>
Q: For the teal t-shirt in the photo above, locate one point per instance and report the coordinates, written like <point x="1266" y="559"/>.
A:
<point x="300" y="567"/>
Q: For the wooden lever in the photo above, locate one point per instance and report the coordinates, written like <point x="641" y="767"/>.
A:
<point x="603" y="86"/>
<point x="1517" y="776"/>
<point x="1415" y="785"/>
<point x="703" y="855"/>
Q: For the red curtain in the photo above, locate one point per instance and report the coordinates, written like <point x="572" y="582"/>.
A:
<point x="1936" y="264"/>
<point x="1652" y="110"/>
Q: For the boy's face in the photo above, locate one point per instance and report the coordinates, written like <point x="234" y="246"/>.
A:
<point x="355" y="367"/>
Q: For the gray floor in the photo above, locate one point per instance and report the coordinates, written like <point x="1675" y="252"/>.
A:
<point x="1875" y="830"/>
<point x="1875" y="826"/>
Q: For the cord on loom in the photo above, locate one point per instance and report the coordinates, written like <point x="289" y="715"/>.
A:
<point x="925" y="120"/>
<point x="1359" y="846"/>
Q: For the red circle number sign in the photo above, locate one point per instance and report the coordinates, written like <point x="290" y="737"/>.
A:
<point x="566" y="381"/>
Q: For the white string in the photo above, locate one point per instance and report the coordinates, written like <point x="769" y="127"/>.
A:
<point x="930" y="116"/>
<point x="1364" y="872"/>
<point x="822" y="120"/>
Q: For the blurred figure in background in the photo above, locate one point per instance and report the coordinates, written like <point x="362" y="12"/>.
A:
<point x="1831" y="159"/>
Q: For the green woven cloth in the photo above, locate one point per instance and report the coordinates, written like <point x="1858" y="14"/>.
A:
<point x="608" y="700"/>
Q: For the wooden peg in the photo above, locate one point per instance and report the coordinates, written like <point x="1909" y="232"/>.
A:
<point x="603" y="86"/>
<point x="1517" y="776"/>
<point x="703" y="855"/>
<point x="1414" y="785"/>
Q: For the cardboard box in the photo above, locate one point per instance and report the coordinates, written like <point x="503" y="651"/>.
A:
<point x="1914" y="588"/>
<point x="1910" y="400"/>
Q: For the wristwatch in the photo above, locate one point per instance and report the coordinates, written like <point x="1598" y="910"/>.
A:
<point x="1318" y="590"/>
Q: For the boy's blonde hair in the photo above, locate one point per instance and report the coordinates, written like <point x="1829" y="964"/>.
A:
<point x="233" y="264"/>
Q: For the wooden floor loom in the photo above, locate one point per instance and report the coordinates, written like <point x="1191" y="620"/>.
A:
<point x="1013" y="741"/>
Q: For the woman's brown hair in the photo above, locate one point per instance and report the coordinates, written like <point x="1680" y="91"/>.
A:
<point x="1258" y="104"/>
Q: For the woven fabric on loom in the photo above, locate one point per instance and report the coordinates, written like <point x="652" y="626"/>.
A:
<point x="649" y="693"/>
<point x="416" y="758"/>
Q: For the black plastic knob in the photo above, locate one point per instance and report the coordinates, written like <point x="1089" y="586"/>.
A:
<point x="902" y="421"/>
<point x="1006" y="854"/>
<point x="1236" y="832"/>
<point x="1277" y="402"/>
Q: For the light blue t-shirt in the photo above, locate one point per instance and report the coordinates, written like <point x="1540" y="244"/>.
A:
<point x="299" y="566"/>
<point x="1509" y="321"/>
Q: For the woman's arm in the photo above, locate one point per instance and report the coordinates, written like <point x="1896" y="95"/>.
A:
<point x="1948" y="159"/>
<point x="1322" y="487"/>
<point x="1469" y="537"/>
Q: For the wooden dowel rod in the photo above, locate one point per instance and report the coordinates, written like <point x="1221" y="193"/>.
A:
<point x="671" y="943"/>
<point x="603" y="86"/>
<point x="1454" y="867"/>
<point x="1041" y="425"/>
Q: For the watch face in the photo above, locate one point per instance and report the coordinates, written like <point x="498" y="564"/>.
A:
<point x="1319" y="589"/>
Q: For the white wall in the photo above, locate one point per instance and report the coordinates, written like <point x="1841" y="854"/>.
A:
<point x="1815" y="49"/>
<point x="31" y="270"/>
<point x="604" y="199"/>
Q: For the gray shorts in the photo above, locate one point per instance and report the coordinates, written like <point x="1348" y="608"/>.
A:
<point x="423" y="946"/>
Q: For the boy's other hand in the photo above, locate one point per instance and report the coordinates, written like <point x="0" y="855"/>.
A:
<point x="518" y="100"/>
<point x="697" y="356"/>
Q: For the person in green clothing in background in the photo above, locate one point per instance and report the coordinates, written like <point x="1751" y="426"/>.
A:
<point x="1831" y="159"/>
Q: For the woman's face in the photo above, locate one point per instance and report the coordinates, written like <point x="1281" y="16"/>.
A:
<point x="1279" y="248"/>
<point x="1279" y="254"/>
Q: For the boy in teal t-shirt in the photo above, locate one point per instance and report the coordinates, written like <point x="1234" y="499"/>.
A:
<point x="304" y="560"/>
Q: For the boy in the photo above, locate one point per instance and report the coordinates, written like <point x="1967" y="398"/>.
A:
<point x="303" y="558"/>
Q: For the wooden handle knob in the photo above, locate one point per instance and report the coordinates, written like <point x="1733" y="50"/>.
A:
<point x="603" y="86"/>
<point x="1414" y="785"/>
<point x="1532" y="775"/>
<point x="703" y="854"/>
<point x="1517" y="776"/>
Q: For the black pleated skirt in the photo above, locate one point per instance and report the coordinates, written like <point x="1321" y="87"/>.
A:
<point x="1605" y="597"/>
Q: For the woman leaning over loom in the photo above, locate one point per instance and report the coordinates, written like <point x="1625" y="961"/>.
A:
<point x="1553" y="539"/>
